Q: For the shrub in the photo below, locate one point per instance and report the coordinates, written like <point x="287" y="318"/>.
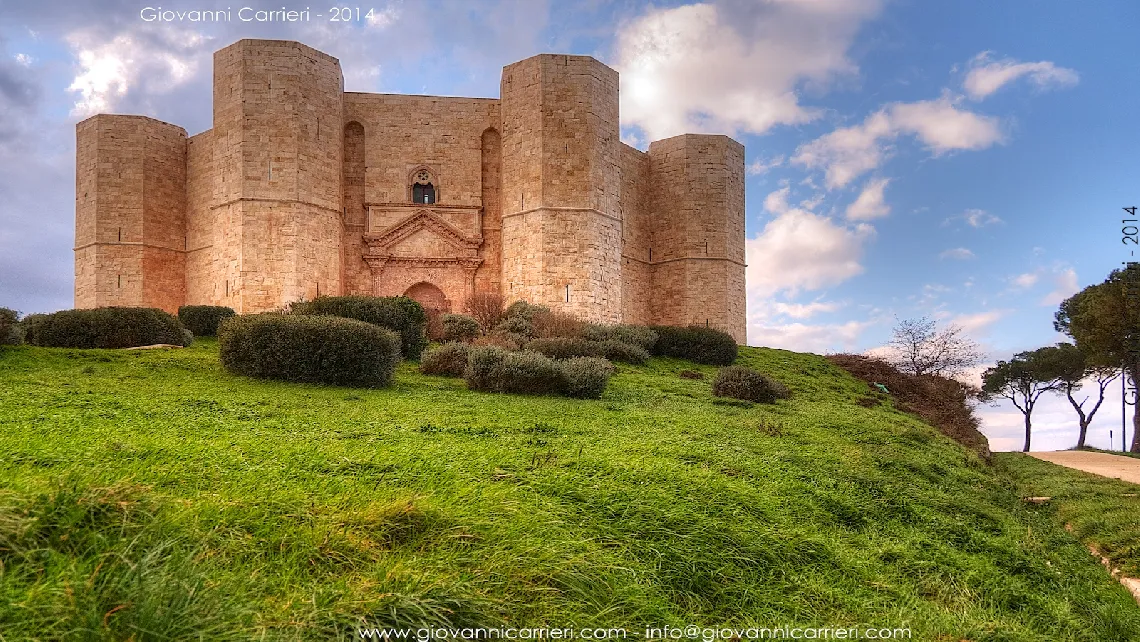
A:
<point x="695" y="343"/>
<point x="447" y="360"/>
<point x="493" y="369"/>
<point x="691" y="374"/>
<point x="503" y="340"/>
<point x="459" y="327"/>
<point x="309" y="349"/>
<point x="112" y="327"/>
<point x="524" y="310"/>
<point x="487" y="308"/>
<point x="548" y="324"/>
<point x="203" y="320"/>
<point x="399" y="313"/>
<point x="739" y="382"/>
<point x="10" y="332"/>
<point x="586" y="377"/>
<point x="624" y="352"/>
<point x="565" y="347"/>
<point x="482" y="364"/>
<point x="433" y="326"/>
<point x="637" y="335"/>
<point x="519" y="326"/>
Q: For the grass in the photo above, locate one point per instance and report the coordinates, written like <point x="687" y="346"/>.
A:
<point x="1102" y="511"/>
<point x="150" y="495"/>
<point x="1110" y="452"/>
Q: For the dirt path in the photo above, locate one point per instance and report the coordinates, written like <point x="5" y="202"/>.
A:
<point x="1103" y="464"/>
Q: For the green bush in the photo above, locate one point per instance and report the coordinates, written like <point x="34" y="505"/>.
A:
<point x="515" y="326"/>
<point x="482" y="363"/>
<point x="459" y="327"/>
<point x="112" y="327"/>
<point x="399" y="313"/>
<point x="529" y="373"/>
<point x="637" y="335"/>
<point x="309" y="349"/>
<point x="565" y="347"/>
<point x="739" y="382"/>
<point x="10" y="332"/>
<point x="447" y="360"/>
<point x="203" y="320"/>
<point x="586" y="377"/>
<point x="524" y="310"/>
<point x="624" y="352"/>
<point x="695" y="343"/>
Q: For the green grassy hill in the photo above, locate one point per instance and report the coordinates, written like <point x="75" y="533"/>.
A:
<point x="148" y="494"/>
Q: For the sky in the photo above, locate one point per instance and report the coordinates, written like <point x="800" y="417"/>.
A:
<point x="964" y="160"/>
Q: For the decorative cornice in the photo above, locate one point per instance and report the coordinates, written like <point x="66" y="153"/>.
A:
<point x="377" y="263"/>
<point x="421" y="220"/>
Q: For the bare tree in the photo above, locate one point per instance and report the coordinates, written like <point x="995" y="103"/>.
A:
<point x="487" y="308"/>
<point x="921" y="349"/>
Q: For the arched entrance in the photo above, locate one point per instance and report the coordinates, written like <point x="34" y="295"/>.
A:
<point x="429" y="296"/>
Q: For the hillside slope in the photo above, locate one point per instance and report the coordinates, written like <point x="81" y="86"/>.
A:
<point x="148" y="493"/>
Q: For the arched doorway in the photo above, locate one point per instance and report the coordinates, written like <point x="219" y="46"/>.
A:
<point x="435" y="305"/>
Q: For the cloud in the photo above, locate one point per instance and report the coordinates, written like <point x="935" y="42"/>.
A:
<point x="869" y="205"/>
<point x="760" y="166"/>
<point x="1065" y="286"/>
<point x="1027" y="280"/>
<point x="849" y="152"/>
<point x="956" y="253"/>
<point x="799" y="249"/>
<point x="802" y="337"/>
<point x="986" y="76"/>
<point x="159" y="62"/>
<point x="974" y="218"/>
<point x="805" y="310"/>
<point x="971" y="323"/>
<point x="734" y="67"/>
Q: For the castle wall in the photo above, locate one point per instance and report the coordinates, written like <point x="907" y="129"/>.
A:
<point x="488" y="277"/>
<point x="279" y="136"/>
<point x="698" y="232"/>
<point x="130" y="213"/>
<point x="562" y="226"/>
<point x="637" y="235"/>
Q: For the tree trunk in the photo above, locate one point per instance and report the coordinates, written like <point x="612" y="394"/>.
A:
<point x="1084" y="431"/>
<point x="1027" y="430"/>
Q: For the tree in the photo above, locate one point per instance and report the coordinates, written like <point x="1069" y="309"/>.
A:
<point x="487" y="308"/>
<point x="1069" y="367"/>
<point x="919" y="349"/>
<point x="1104" y="322"/>
<point x="1022" y="380"/>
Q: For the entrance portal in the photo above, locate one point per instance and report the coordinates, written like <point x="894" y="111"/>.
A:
<point x="429" y="296"/>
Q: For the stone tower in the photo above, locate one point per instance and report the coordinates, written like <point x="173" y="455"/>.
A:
<point x="562" y="227"/>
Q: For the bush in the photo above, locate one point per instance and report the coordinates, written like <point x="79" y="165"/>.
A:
<point x="498" y="339"/>
<point x="112" y="327"/>
<point x="516" y="326"/>
<point x="10" y="332"/>
<point x="739" y="382"/>
<point x="548" y="324"/>
<point x="482" y="364"/>
<point x="309" y="349"/>
<point x="565" y="347"/>
<point x="524" y="310"/>
<point x="459" y="327"/>
<point x="695" y="343"/>
<point x="399" y="313"/>
<point x="487" y="308"/>
<point x="203" y="320"/>
<point x="447" y="360"/>
<point x="433" y="326"/>
<point x="586" y="377"/>
<point x="691" y="374"/>
<point x="637" y="335"/>
<point x="624" y="352"/>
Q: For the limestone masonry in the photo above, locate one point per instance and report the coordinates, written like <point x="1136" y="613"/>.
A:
<point x="302" y="189"/>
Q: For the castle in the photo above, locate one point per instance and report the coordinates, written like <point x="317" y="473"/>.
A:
<point x="301" y="189"/>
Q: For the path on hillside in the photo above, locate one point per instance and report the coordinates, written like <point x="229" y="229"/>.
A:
<point x="1103" y="464"/>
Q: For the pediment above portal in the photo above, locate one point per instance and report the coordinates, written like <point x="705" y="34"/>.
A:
<point x="421" y="234"/>
<point x="382" y="219"/>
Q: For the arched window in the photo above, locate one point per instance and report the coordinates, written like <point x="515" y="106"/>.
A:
<point x="423" y="191"/>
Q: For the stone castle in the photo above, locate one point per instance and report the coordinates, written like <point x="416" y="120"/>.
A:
<point x="302" y="189"/>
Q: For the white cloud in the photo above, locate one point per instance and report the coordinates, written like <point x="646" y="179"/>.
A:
<point x="23" y="59"/>
<point x="799" y="249"/>
<point x="956" y="253"/>
<point x="979" y="321"/>
<point x="384" y="17"/>
<point x="987" y="76"/>
<point x="760" y="166"/>
<point x="1027" y="280"/>
<point x="975" y="218"/>
<point x="849" y="152"/>
<point x="802" y="337"/>
<point x="869" y="205"/>
<point x="731" y="69"/>
<point x="108" y="70"/>
<point x="805" y="310"/>
<point x="1065" y="286"/>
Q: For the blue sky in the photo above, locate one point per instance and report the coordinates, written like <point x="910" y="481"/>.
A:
<point x="966" y="160"/>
